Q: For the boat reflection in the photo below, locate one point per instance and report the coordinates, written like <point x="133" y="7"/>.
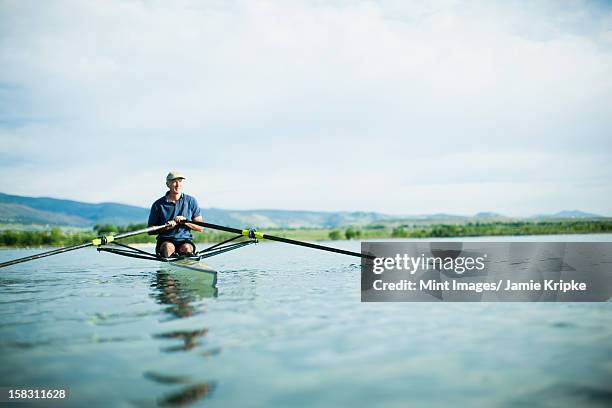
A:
<point x="181" y="291"/>
<point x="188" y="395"/>
<point x="189" y="338"/>
<point x="178" y="288"/>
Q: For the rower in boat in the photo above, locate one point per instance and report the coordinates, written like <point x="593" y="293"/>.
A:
<point x="179" y="214"/>
<point x="174" y="210"/>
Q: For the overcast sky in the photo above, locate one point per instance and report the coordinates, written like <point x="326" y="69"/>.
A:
<point x="391" y="106"/>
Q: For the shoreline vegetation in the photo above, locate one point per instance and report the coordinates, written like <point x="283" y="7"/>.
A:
<point x="57" y="237"/>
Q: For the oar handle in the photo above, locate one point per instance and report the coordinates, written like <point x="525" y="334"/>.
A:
<point x="251" y="233"/>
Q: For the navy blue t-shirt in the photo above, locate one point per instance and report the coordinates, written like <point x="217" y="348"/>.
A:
<point x="164" y="210"/>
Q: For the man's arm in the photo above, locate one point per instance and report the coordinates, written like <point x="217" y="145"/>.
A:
<point x="195" y="214"/>
<point x="189" y="225"/>
<point x="169" y="225"/>
<point x="155" y="219"/>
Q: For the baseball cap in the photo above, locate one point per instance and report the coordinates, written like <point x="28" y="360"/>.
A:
<point x="174" y="175"/>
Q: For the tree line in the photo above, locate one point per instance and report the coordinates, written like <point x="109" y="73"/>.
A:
<point x="477" y="229"/>
<point x="58" y="237"/>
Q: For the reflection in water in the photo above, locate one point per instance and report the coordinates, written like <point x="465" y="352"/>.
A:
<point x="211" y="352"/>
<point x="187" y="395"/>
<point x="166" y="379"/>
<point x="189" y="338"/>
<point x="180" y="289"/>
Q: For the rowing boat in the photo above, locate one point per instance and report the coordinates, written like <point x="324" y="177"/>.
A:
<point x="207" y="275"/>
<point x="195" y="262"/>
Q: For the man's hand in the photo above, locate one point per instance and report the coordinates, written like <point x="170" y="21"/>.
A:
<point x="191" y="226"/>
<point x="179" y="219"/>
<point x="171" y="224"/>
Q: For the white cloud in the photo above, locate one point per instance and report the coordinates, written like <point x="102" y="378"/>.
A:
<point x="299" y="104"/>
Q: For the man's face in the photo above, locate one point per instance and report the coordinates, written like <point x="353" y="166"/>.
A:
<point x="175" y="185"/>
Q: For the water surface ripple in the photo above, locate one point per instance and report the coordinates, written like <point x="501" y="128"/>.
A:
<point x="286" y="328"/>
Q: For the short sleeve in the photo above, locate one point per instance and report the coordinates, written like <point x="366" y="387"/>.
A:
<point x="154" y="215"/>
<point x="195" y="208"/>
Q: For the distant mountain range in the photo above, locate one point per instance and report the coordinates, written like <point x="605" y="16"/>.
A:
<point x="51" y="211"/>
<point x="570" y="214"/>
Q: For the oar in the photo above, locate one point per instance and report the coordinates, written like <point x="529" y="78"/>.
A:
<point x="251" y="233"/>
<point x="95" y="242"/>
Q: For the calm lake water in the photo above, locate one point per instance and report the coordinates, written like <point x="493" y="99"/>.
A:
<point x="287" y="329"/>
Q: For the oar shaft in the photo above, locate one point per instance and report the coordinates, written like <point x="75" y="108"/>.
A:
<point x="138" y="232"/>
<point x="281" y="239"/>
<point x="315" y="246"/>
<point x="45" y="254"/>
<point x="95" y="242"/>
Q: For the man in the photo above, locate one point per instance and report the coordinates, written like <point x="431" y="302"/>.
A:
<point x="173" y="209"/>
